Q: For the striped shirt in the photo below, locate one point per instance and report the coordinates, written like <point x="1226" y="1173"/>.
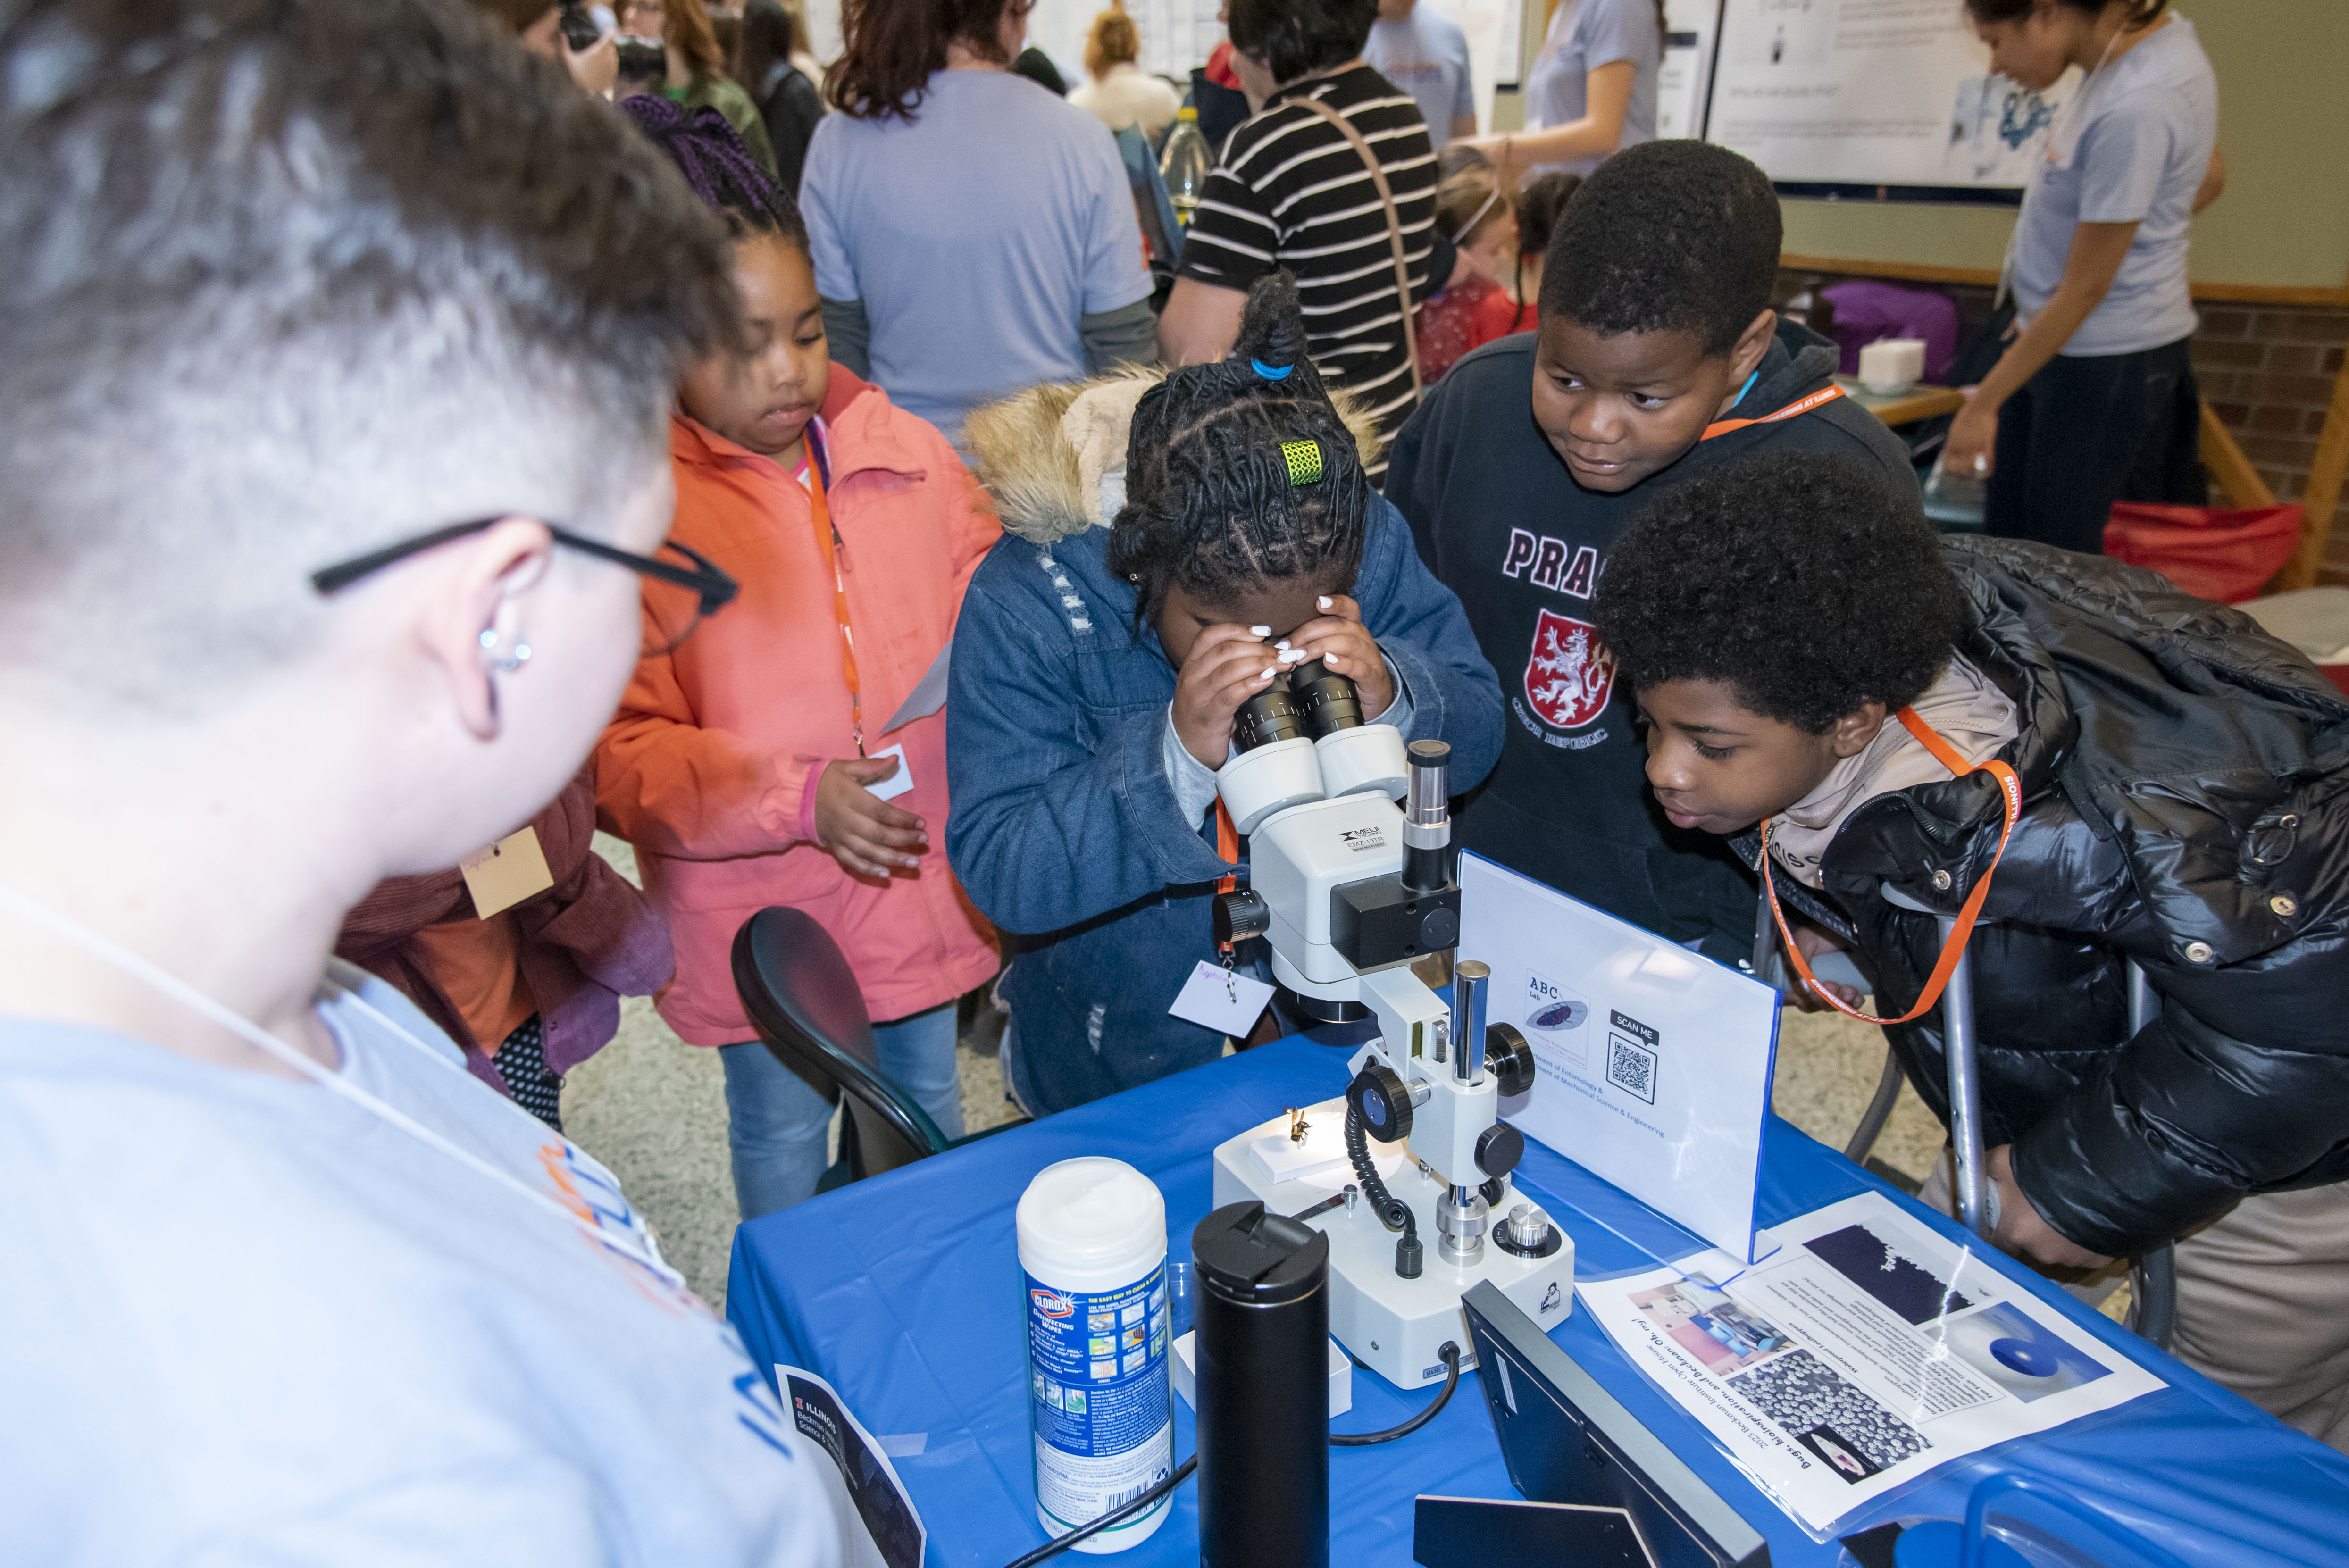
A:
<point x="1289" y="191"/>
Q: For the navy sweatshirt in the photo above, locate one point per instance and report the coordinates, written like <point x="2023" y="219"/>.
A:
<point x="1501" y="521"/>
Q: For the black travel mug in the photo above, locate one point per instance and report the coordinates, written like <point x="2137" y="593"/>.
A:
<point x="1261" y="1309"/>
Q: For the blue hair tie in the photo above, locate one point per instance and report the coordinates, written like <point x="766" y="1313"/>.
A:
<point x="1270" y="373"/>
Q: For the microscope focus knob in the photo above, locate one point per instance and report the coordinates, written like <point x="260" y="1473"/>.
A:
<point x="1241" y="914"/>
<point x="1383" y="1102"/>
<point x="1498" y="1148"/>
<point x="1509" y="1059"/>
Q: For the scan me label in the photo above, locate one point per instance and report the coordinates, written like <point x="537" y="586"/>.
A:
<point x="1098" y="1395"/>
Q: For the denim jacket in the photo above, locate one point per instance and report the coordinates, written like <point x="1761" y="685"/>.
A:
<point x="1065" y="826"/>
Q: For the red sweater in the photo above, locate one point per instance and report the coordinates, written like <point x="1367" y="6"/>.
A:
<point x="1466" y="317"/>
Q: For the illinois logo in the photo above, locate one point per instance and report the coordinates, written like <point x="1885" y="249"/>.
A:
<point x="1570" y="674"/>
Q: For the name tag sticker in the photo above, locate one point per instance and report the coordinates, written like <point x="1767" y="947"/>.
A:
<point x="1216" y="998"/>
<point x="897" y="783"/>
<point x="505" y="873"/>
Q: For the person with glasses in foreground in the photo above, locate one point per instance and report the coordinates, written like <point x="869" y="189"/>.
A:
<point x="285" y="1283"/>
<point x="750" y="767"/>
<point x="526" y="979"/>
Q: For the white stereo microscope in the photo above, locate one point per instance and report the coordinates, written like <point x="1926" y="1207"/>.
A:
<point x="1350" y="890"/>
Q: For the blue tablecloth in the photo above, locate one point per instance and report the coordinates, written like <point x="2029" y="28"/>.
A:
<point x="904" y="1291"/>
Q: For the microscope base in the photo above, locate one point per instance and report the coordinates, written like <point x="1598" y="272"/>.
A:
<point x="1392" y="1325"/>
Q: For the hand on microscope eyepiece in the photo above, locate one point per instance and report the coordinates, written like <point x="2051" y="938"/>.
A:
<point x="1339" y="640"/>
<point x="1224" y="668"/>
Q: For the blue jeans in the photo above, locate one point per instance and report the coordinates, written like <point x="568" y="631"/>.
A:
<point x="776" y="1123"/>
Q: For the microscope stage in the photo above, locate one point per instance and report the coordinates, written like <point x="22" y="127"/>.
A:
<point x="1392" y="1325"/>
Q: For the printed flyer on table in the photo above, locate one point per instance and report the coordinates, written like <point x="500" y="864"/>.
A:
<point x="1861" y="1352"/>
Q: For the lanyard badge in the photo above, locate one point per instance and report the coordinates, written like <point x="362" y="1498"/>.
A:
<point x="828" y="545"/>
<point x="2011" y="795"/>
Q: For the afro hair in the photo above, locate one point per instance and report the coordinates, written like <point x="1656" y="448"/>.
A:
<point x="1801" y="583"/>
<point x="1667" y="236"/>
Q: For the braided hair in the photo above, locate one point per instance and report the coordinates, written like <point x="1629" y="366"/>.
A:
<point x="1241" y="474"/>
<point x="718" y="165"/>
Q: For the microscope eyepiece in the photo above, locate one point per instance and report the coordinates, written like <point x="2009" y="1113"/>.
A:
<point x="1270" y="715"/>
<point x="1429" y="803"/>
<point x="1329" y="702"/>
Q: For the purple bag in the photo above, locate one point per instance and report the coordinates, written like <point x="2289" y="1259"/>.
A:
<point x="1868" y="311"/>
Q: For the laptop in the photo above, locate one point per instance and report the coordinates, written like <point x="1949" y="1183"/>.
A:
<point x="1572" y="1447"/>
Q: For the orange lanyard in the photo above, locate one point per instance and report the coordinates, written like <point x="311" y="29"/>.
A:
<point x="827" y="542"/>
<point x="2010" y="786"/>
<point x="1800" y="406"/>
<point x="1227" y="845"/>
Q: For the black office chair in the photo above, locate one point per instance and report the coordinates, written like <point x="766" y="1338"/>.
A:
<point x="804" y="999"/>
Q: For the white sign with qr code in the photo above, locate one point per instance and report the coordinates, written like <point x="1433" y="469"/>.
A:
<point x="1653" y="1062"/>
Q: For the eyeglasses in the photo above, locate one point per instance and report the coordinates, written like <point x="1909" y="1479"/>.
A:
<point x="678" y="595"/>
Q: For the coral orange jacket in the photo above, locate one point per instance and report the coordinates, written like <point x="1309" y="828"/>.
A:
<point x="705" y="766"/>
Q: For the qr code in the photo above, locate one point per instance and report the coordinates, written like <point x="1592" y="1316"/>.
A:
<point x="1631" y="1066"/>
<point x="1810" y="1399"/>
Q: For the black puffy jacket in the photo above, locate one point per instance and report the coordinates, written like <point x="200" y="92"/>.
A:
<point x="2185" y="789"/>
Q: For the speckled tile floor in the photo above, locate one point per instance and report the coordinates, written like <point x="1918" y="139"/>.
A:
<point x="653" y="1108"/>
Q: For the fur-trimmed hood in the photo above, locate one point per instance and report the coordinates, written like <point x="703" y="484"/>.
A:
<point x="1052" y="459"/>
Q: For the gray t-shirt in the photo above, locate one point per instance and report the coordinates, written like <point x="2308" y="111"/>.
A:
<point x="1585" y="35"/>
<point x="2134" y="152"/>
<point x="977" y="235"/>
<point x="245" y="1321"/>
<point x="1426" y="55"/>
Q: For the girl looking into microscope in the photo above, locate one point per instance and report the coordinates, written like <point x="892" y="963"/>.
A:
<point x="1171" y="546"/>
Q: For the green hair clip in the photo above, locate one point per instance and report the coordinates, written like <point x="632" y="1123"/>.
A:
<point x="1304" y="460"/>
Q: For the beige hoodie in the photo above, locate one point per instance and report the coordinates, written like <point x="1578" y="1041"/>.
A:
<point x="1963" y="706"/>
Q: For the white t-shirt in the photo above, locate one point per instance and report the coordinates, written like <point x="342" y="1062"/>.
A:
<point x="2132" y="150"/>
<point x="979" y="235"/>
<point x="245" y="1321"/>
<point x="1426" y="55"/>
<point x="1583" y="36"/>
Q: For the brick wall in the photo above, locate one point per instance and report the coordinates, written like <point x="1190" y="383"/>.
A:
<point x="2267" y="372"/>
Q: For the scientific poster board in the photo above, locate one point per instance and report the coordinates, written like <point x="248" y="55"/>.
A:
<point x="1177" y="35"/>
<point x="1873" y="93"/>
<point x="1682" y="82"/>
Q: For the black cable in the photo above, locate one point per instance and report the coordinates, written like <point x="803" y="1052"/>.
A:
<point x="1392" y="1212"/>
<point x="1450" y="1355"/>
<point x="1142" y="1504"/>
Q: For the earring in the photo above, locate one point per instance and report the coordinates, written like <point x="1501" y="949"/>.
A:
<point x="508" y="663"/>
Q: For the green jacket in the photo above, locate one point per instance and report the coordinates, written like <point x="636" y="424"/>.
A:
<point x="710" y="89"/>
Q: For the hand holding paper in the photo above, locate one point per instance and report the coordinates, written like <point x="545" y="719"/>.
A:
<point x="863" y="832"/>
